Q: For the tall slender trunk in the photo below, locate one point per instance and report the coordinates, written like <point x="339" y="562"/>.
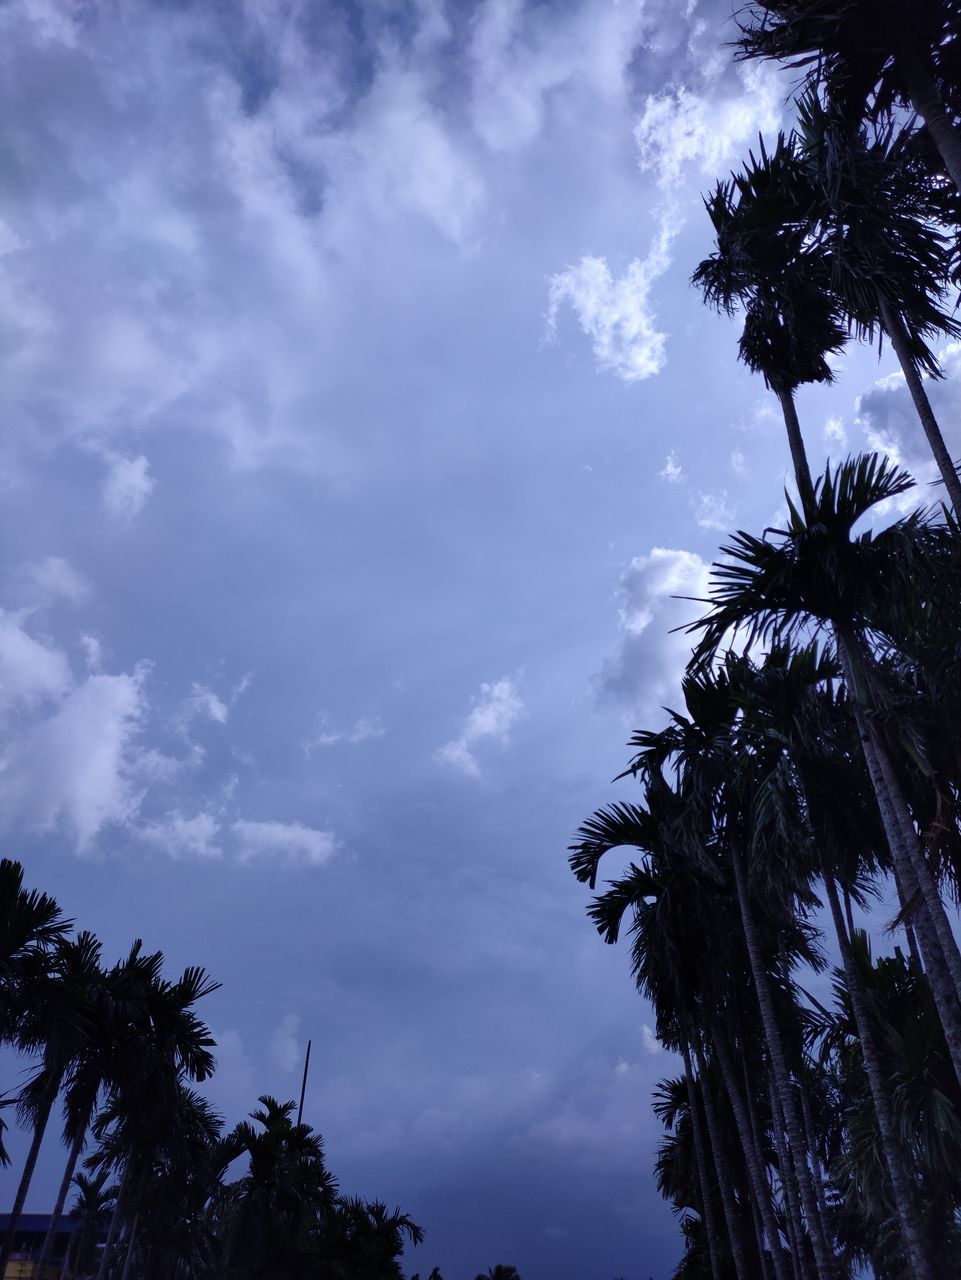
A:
<point x="893" y="1155"/>
<point x="809" y="1134"/>
<point x="935" y="963"/>
<point x="75" y="1149"/>
<point x="752" y="1157"/>
<point x="723" y="1174"/>
<point x="704" y="1186"/>
<point x="763" y="1254"/>
<point x="848" y="912"/>
<point x="908" y="926"/>
<point x="119" y="1208"/>
<point x="131" y="1246"/>
<point x="789" y="1187"/>
<point x="799" y="458"/>
<point x="756" y="1136"/>
<point x="895" y="328"/>
<point x="919" y="863"/>
<point x="823" y="1260"/>
<point x="43" y="1115"/>
<point x="927" y="103"/>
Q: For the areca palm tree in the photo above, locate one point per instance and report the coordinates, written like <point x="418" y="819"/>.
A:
<point x="789" y="702"/>
<point x="685" y="949"/>
<point x="31" y="923"/>
<point x="721" y="780"/>
<point x="818" y="574"/>
<point x="118" y="1004"/>
<point x="767" y="263"/>
<point x="89" y="1213"/>
<point x="53" y="1024"/>
<point x="878" y="216"/>
<point x="871" y="54"/>
<point x="165" y="1044"/>
<point x="270" y="1215"/>
<point x="925" y="1102"/>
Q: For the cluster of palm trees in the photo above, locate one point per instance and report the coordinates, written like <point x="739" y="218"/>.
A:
<point x="814" y="767"/>
<point x="164" y="1193"/>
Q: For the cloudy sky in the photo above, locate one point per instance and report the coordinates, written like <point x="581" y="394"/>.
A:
<point x="359" y="427"/>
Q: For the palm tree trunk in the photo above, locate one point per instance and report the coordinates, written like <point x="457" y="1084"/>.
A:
<point x="908" y="926"/>
<point x="893" y="1155"/>
<point x="799" y="458"/>
<point x="807" y="1120"/>
<point x="75" y="1149"/>
<point x="789" y="1186"/>
<point x="894" y="327"/>
<point x="723" y="1174"/>
<point x="939" y="975"/>
<point x="927" y="883"/>
<point x="822" y="1253"/>
<point x="927" y="103"/>
<point x="131" y="1245"/>
<point x="762" y="1253"/>
<point x="848" y="912"/>
<point x="759" y="1184"/>
<point x="40" y="1125"/>
<point x="707" y="1200"/>
<point x="120" y="1205"/>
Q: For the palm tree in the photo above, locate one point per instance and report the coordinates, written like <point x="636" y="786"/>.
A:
<point x="870" y="55"/>
<point x="118" y="1007"/>
<point x="90" y="1213"/>
<point x="787" y="704"/>
<point x="720" y="782"/>
<point x="925" y="1102"/>
<point x="54" y="1024"/>
<point x="270" y="1216"/>
<point x="31" y="923"/>
<point x="818" y="574"/>
<point x="170" y="1229"/>
<point x="683" y="955"/>
<point x="767" y="263"/>
<point x="878" y="215"/>
<point x="165" y="1044"/>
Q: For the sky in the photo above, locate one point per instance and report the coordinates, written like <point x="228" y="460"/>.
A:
<point x="360" y="429"/>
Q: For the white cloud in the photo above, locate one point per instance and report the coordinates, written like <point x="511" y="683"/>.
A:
<point x="182" y="837"/>
<point x="671" y="471"/>
<point x="646" y="670"/>
<point x="495" y="711"/>
<point x="127" y="485"/>
<point x="363" y="729"/>
<point x="47" y="581"/>
<point x="709" y="130"/>
<point x="835" y="432"/>
<point x="204" y="703"/>
<point x="286" y="841"/>
<point x="738" y="462"/>
<point x="616" y="314"/>
<point x="712" y="511"/>
<point x="650" y="1042"/>
<point x="523" y="56"/>
<point x="284" y="1050"/>
<point x="31" y="671"/>
<point x="92" y="651"/>
<point x="82" y="766"/>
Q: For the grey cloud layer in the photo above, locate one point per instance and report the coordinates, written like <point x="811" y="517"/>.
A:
<point x="314" y="547"/>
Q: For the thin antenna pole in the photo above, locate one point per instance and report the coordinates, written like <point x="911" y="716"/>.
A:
<point x="303" y="1087"/>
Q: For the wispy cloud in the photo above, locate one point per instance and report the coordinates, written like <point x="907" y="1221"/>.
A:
<point x="713" y="511"/>
<point x="647" y="667"/>
<point x="496" y="710"/>
<point x="284" y="842"/>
